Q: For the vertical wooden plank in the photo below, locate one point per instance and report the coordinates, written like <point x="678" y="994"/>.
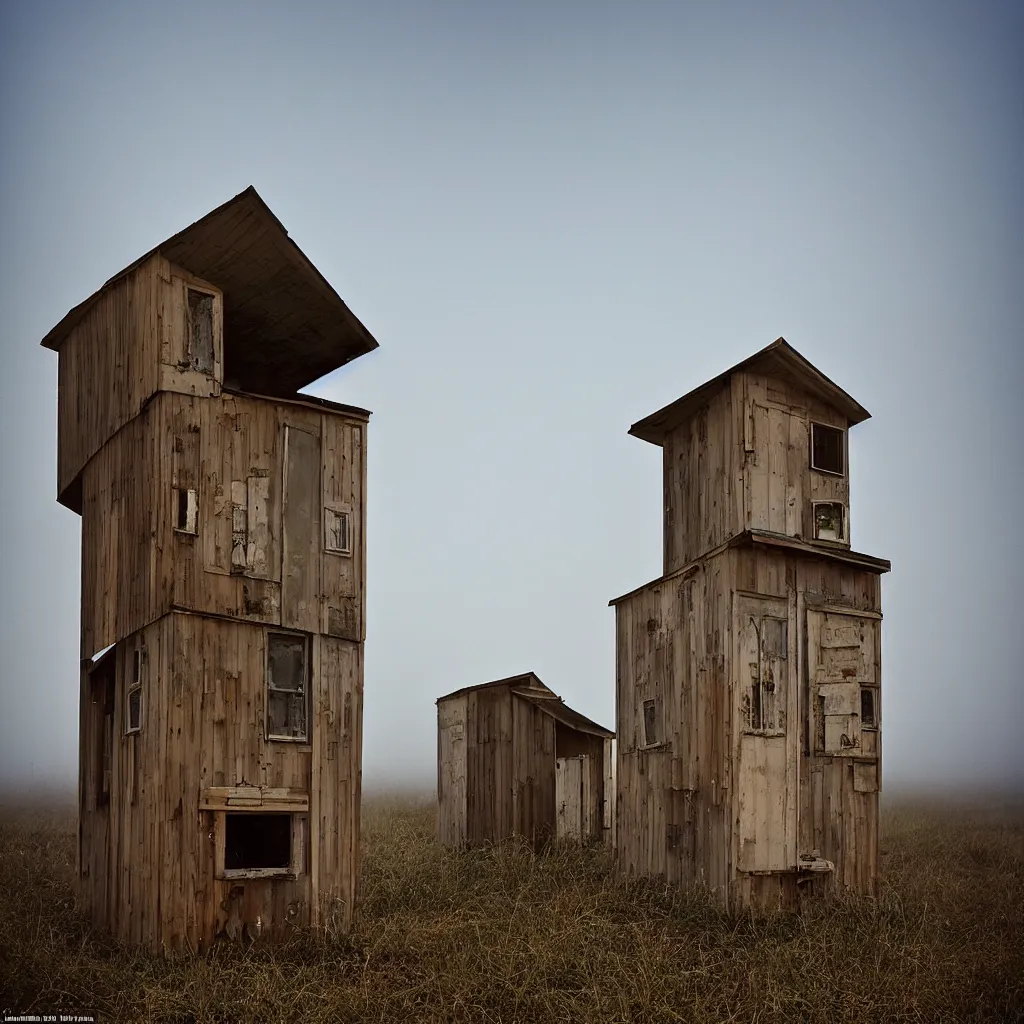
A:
<point x="301" y="530"/>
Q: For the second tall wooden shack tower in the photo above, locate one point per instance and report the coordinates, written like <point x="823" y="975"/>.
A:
<point x="223" y="544"/>
<point x="748" y="706"/>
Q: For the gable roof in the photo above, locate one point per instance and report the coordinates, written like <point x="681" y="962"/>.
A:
<point x="557" y="709"/>
<point x="527" y="679"/>
<point x="284" y="325"/>
<point x="528" y="687"/>
<point x="780" y="359"/>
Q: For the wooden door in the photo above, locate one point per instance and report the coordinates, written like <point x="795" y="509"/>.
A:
<point x="572" y="797"/>
<point x="765" y="695"/>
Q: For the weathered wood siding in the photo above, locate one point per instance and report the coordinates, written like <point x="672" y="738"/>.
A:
<point x="496" y="769"/>
<point x="148" y="868"/>
<point x="234" y="452"/>
<point x="533" y="751"/>
<point x="778" y="483"/>
<point x="488" y="765"/>
<point x="717" y="800"/>
<point x="742" y="462"/>
<point x="129" y="345"/>
<point x="703" y="499"/>
<point x="451" y="771"/>
<point x="673" y="812"/>
<point x="573" y="743"/>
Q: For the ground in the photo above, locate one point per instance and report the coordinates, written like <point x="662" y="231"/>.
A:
<point x="503" y="936"/>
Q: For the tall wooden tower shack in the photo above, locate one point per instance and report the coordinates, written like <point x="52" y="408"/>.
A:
<point x="223" y="569"/>
<point x="748" y="703"/>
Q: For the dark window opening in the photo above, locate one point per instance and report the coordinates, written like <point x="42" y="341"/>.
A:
<point x="827" y="449"/>
<point x="287" y="674"/>
<point x="185" y="511"/>
<point x="200" y="331"/>
<point x="829" y="521"/>
<point x="867" y="708"/>
<point x="257" y="841"/>
<point x="652" y="734"/>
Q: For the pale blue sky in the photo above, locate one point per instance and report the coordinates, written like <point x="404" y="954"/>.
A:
<point x="555" y="218"/>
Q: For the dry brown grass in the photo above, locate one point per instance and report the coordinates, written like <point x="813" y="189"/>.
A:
<point x="502" y="935"/>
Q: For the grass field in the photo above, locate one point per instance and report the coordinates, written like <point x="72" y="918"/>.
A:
<point x="502" y="935"/>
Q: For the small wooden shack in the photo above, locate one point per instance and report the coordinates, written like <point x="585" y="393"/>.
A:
<point x="514" y="759"/>
<point x="748" y="702"/>
<point x="223" y="541"/>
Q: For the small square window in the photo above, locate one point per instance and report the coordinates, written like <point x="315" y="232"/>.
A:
<point x="337" y="531"/>
<point x="652" y="723"/>
<point x="186" y="511"/>
<point x="287" y="689"/>
<point x="827" y="444"/>
<point x="829" y="521"/>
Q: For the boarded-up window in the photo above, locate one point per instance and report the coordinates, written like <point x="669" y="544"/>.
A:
<point x="337" y="533"/>
<point x="200" y="330"/>
<point x="186" y="511"/>
<point x="827" y="449"/>
<point x="652" y="722"/>
<point x="829" y="521"/>
<point x="287" y="686"/>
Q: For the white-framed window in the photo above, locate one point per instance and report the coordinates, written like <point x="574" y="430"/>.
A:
<point x="830" y="521"/>
<point x="133" y="696"/>
<point x="828" y="449"/>
<point x="186" y="511"/>
<point x="288" y="686"/>
<point x="337" y="531"/>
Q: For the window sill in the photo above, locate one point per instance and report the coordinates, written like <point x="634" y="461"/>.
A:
<point x="233" y="873"/>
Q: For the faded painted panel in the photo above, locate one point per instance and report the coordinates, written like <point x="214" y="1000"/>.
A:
<point x="301" y="532"/>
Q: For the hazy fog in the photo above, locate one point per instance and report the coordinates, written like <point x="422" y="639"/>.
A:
<point x="555" y="218"/>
